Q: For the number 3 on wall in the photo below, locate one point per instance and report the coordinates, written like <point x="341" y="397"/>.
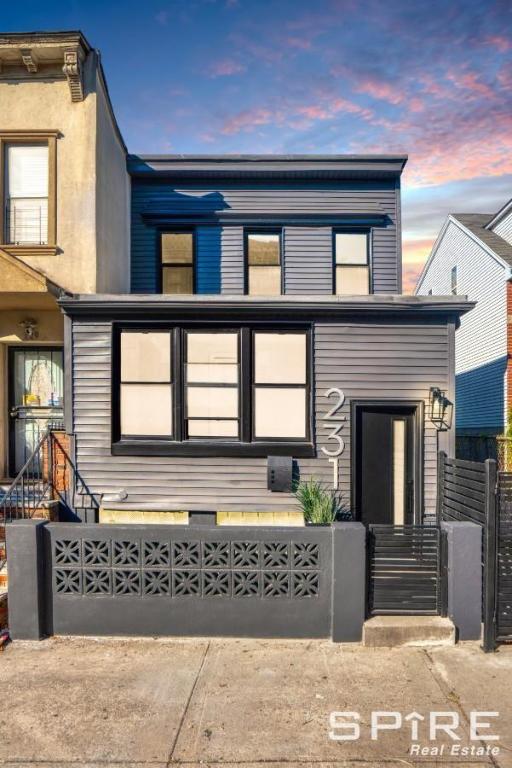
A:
<point x="335" y="422"/>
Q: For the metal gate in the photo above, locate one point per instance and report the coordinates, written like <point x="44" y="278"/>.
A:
<point x="406" y="573"/>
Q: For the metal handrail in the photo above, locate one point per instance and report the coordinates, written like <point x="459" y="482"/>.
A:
<point x="36" y="481"/>
<point x="28" y="489"/>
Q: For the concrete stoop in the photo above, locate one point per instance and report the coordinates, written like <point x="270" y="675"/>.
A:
<point x="393" y="631"/>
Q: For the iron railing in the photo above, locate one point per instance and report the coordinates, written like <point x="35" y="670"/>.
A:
<point x="49" y="474"/>
<point x="27" y="221"/>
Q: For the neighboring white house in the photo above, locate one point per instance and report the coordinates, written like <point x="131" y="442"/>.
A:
<point x="473" y="255"/>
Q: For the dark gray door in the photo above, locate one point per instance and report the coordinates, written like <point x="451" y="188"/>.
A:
<point x="385" y="465"/>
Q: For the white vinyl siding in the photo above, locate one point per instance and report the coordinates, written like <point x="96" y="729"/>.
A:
<point x="504" y="228"/>
<point x="481" y="340"/>
<point x="26" y="193"/>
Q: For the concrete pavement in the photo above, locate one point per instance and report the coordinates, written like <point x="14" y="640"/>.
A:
<point x="97" y="702"/>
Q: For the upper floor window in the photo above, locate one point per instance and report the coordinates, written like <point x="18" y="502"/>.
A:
<point x="177" y="254"/>
<point x="263" y="263"/>
<point x="351" y="263"/>
<point x="454" y="281"/>
<point x="26" y="193"/>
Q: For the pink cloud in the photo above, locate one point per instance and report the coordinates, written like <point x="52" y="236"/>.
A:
<point x="250" y="118"/>
<point x="298" y="42"/>
<point x="226" y="68"/>
<point x="470" y="81"/>
<point x="502" y="44"/>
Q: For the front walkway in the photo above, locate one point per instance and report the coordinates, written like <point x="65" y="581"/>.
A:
<point x="98" y="702"/>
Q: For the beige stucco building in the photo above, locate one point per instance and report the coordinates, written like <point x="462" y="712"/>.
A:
<point x="64" y="218"/>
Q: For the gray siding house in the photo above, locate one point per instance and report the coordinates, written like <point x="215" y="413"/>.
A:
<point x="473" y="256"/>
<point x="265" y="341"/>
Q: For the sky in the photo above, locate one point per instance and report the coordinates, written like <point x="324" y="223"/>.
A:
<point x="432" y="79"/>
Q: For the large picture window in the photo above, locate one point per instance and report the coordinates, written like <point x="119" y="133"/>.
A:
<point x="212" y="385"/>
<point x="146" y="396"/>
<point x="280" y="386"/>
<point x="184" y="389"/>
<point x="351" y="264"/>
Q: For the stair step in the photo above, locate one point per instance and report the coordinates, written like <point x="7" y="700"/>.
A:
<point x="393" y="631"/>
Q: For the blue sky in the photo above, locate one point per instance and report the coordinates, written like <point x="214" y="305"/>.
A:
<point x="433" y="79"/>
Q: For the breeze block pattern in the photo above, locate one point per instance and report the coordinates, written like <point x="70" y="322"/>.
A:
<point x="199" y="568"/>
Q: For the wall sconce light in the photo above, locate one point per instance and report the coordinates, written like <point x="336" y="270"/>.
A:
<point x="30" y="329"/>
<point x="441" y="409"/>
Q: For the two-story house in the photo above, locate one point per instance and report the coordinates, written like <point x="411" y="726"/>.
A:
<point x="473" y="255"/>
<point x="265" y="336"/>
<point x="64" y="221"/>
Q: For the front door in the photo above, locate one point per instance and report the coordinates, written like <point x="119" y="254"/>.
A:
<point x="384" y="464"/>
<point x="35" y="399"/>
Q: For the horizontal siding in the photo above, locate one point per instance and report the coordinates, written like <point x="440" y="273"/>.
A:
<point x="504" y="228"/>
<point x="308" y="260"/>
<point x="398" y="361"/>
<point x="339" y="199"/>
<point x="481" y="339"/>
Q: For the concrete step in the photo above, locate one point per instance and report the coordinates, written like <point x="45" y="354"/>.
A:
<point x="394" y="631"/>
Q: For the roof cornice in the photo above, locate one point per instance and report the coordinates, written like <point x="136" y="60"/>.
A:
<point x="291" y="308"/>
<point x="267" y="166"/>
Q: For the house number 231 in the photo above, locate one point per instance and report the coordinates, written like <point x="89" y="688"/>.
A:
<point x="334" y="421"/>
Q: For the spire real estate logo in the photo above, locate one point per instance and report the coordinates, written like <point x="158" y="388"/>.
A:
<point x="432" y="734"/>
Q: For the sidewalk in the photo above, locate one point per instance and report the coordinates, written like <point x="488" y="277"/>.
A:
<point x="98" y="702"/>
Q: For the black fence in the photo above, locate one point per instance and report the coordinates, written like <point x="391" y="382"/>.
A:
<point x="504" y="560"/>
<point x="406" y="570"/>
<point x="467" y="491"/>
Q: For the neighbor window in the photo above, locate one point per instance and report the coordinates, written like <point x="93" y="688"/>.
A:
<point x="191" y="387"/>
<point x="263" y="263"/>
<point x="212" y="385"/>
<point x="177" y="249"/>
<point x="146" y="396"/>
<point x="280" y="385"/>
<point x="454" y="281"/>
<point x="351" y="263"/>
<point x="26" y="193"/>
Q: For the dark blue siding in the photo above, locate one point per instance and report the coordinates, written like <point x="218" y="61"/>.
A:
<point x="480" y="397"/>
<point x="307" y="257"/>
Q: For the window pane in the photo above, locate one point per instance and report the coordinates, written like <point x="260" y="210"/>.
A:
<point x="280" y="412"/>
<point x="351" y="248"/>
<point x="146" y="409"/>
<point x="177" y="248"/>
<point x="212" y="348"/>
<point x="145" y="356"/>
<point x="264" y="281"/>
<point x="212" y="428"/>
<point x="177" y="280"/>
<point x="27" y="170"/>
<point x="352" y="281"/>
<point x="213" y="402"/>
<point x="214" y="374"/>
<point x="280" y="358"/>
<point x="263" y="249"/>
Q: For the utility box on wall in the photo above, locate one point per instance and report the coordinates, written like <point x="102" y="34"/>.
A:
<point x="279" y="473"/>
